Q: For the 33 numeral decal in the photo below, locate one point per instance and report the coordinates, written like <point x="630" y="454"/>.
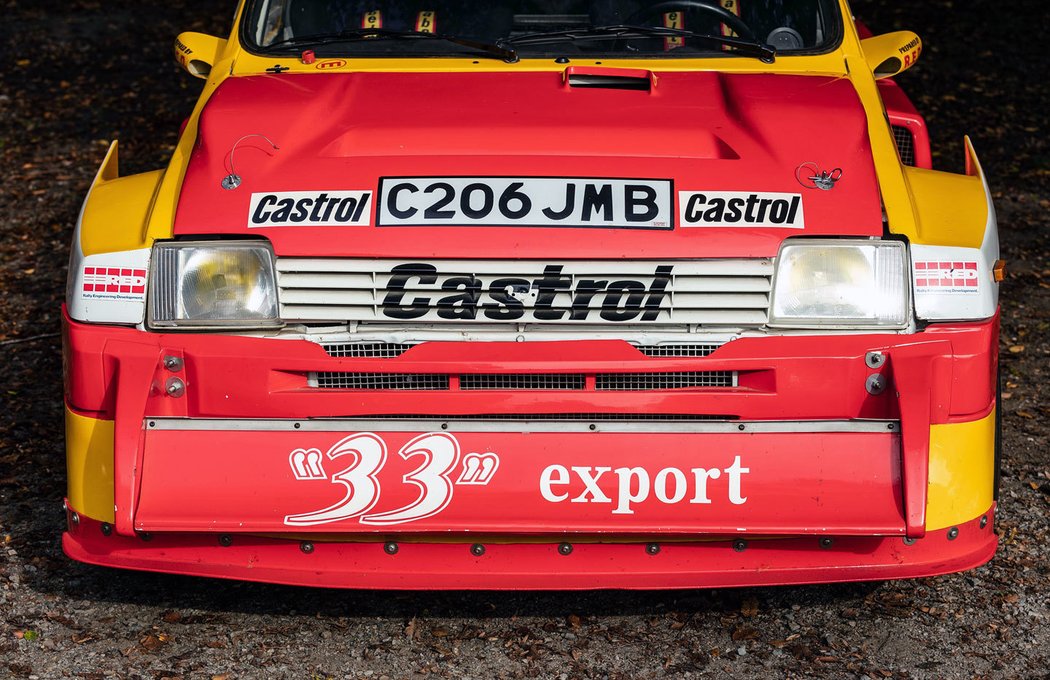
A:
<point x="440" y="454"/>
<point x="362" y="488"/>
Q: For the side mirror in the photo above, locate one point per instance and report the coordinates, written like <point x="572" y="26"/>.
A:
<point x="198" y="52"/>
<point x="892" y="53"/>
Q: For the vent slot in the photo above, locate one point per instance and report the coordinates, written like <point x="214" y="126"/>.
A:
<point x="570" y="417"/>
<point x="366" y="350"/>
<point x="525" y="381"/>
<point x="632" y="382"/>
<point x="692" y="350"/>
<point x="382" y="381"/>
<point x="905" y="144"/>
<point x="600" y="82"/>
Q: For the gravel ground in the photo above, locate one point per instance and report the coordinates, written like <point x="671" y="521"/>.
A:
<point x="76" y="74"/>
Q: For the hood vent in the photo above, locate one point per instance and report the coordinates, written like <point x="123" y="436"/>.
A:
<point x="598" y="78"/>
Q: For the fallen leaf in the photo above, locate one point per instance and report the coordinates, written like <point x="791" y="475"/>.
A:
<point x="439" y="632"/>
<point x="1016" y="349"/>
<point x="744" y="633"/>
<point x="410" y="629"/>
<point x="574" y="620"/>
<point x="749" y="608"/>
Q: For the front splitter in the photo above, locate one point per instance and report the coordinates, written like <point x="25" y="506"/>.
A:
<point x="546" y="563"/>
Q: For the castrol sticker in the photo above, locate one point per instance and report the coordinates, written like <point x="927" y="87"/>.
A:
<point x="741" y="209"/>
<point x="954" y="278"/>
<point x="310" y="209"/>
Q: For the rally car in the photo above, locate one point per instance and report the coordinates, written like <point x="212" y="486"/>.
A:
<point x="537" y="294"/>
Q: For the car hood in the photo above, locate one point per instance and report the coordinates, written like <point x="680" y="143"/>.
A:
<point x="727" y="158"/>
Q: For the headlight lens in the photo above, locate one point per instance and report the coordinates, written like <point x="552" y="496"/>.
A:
<point x="213" y="285"/>
<point x="840" y="283"/>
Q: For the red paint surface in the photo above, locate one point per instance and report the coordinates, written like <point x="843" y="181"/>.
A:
<point x="704" y="131"/>
<point x="536" y="566"/>
<point x="792" y="483"/>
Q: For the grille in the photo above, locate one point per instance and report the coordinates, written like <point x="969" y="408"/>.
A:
<point x="905" y="144"/>
<point x="730" y="292"/>
<point x="571" y="417"/>
<point x="367" y="350"/>
<point x="691" y="350"/>
<point x="620" y="382"/>
<point x="382" y="381"/>
<point x="536" y="381"/>
<point x="527" y="381"/>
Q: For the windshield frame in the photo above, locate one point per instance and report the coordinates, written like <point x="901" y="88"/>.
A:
<point x="253" y="8"/>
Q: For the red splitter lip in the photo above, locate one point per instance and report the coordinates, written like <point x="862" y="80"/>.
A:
<point x="551" y="563"/>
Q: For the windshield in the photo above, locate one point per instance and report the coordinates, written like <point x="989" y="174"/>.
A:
<point x="541" y="28"/>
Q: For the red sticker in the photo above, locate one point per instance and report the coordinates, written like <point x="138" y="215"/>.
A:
<point x="115" y="282"/>
<point x="946" y="277"/>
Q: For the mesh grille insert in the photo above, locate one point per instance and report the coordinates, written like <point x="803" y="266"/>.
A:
<point x="569" y="417"/>
<point x="525" y="381"/>
<point x="664" y="381"/>
<point x="905" y="144"/>
<point x="383" y="381"/>
<point x="683" y="350"/>
<point x="366" y="350"/>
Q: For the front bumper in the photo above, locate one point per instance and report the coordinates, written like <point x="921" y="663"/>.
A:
<point x="795" y="474"/>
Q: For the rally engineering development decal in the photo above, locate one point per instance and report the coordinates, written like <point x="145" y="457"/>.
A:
<point x="113" y="283"/>
<point x="956" y="278"/>
<point x="526" y="202"/>
<point x="741" y="209"/>
<point x="310" y="209"/>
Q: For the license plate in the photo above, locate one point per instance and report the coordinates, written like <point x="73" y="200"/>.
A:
<point x="526" y="202"/>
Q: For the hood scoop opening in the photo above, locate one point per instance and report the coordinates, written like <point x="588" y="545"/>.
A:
<point x="599" y="78"/>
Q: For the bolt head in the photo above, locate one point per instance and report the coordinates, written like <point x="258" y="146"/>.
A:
<point x="225" y="540"/>
<point x="827" y="542"/>
<point x="953" y="533"/>
<point x="477" y="550"/>
<point x="106" y="528"/>
<point x="740" y="545"/>
<point x="390" y="548"/>
<point x="984" y="521"/>
<point x="175" y="387"/>
<point x="173" y="364"/>
<point x="307" y="547"/>
<point x="875" y="384"/>
<point x="652" y="548"/>
<point x="565" y="548"/>
<point x="231" y="182"/>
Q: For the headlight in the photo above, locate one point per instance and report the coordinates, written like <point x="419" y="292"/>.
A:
<point x="840" y="283"/>
<point x="213" y="285"/>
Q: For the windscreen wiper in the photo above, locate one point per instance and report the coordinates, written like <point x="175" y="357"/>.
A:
<point x="506" y="53"/>
<point x="766" y="53"/>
